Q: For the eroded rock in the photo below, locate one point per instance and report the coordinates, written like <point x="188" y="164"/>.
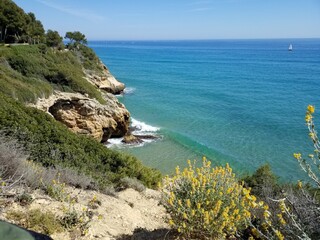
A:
<point x="87" y="116"/>
<point x="105" y="80"/>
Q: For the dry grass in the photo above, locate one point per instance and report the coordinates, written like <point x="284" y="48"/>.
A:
<point x="12" y="169"/>
<point x="131" y="183"/>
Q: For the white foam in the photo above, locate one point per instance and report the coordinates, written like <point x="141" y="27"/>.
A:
<point x="129" y="90"/>
<point x="112" y="142"/>
<point x="142" y="128"/>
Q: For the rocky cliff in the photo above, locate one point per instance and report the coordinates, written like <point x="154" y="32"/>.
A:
<point x="104" y="80"/>
<point x="87" y="116"/>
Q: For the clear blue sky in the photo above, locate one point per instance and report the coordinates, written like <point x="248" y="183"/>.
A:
<point x="179" y="19"/>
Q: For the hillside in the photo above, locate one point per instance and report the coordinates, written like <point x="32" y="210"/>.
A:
<point x="82" y="89"/>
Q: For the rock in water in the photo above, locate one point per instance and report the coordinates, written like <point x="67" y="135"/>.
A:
<point x="131" y="139"/>
<point x="87" y="116"/>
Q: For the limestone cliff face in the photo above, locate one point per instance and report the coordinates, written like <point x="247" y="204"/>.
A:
<point x="87" y="116"/>
<point x="105" y="80"/>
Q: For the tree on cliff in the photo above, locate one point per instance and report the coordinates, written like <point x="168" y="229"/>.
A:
<point x="76" y="38"/>
<point x="12" y="21"/>
<point x="53" y="39"/>
<point x="17" y="26"/>
<point x="35" y="30"/>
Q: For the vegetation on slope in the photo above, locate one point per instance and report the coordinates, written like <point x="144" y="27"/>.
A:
<point x="28" y="72"/>
<point x="52" y="144"/>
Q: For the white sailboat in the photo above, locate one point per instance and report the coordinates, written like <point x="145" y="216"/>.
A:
<point x="290" y="47"/>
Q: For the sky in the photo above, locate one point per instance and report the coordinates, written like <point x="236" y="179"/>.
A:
<point x="179" y="19"/>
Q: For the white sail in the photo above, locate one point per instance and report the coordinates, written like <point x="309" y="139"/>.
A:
<point x="290" y="47"/>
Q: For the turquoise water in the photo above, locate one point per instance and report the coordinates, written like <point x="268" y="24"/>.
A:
<point x="236" y="101"/>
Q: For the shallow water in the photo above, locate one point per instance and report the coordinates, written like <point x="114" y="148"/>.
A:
<point x="236" y="101"/>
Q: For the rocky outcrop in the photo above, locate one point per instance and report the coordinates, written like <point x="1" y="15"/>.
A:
<point x="105" y="80"/>
<point x="87" y="116"/>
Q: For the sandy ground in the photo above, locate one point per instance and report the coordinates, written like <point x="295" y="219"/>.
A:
<point x="129" y="215"/>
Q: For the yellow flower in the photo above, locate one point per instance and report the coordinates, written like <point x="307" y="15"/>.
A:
<point x="188" y="203"/>
<point x="177" y="170"/>
<point x="299" y="184"/>
<point x="311" y="109"/>
<point x="255" y="232"/>
<point x="185" y="216"/>
<point x="308" y="117"/>
<point x="171" y="222"/>
<point x="282" y="206"/>
<point x="266" y="214"/>
<point x="297" y="155"/>
<point x="279" y="235"/>
<point x="281" y="220"/>
<point x="312" y="135"/>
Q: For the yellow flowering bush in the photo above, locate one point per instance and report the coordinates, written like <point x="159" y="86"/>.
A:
<point x="312" y="170"/>
<point x="207" y="202"/>
<point x="57" y="190"/>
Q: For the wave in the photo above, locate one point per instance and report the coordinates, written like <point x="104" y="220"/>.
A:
<point x="141" y="128"/>
<point x="129" y="90"/>
<point x="138" y="128"/>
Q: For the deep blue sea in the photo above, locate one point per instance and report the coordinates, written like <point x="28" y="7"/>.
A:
<point x="236" y="101"/>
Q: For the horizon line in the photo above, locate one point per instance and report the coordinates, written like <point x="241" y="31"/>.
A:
<point x="205" y="39"/>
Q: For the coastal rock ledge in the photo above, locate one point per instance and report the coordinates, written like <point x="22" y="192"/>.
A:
<point x="87" y="116"/>
<point x="104" y="80"/>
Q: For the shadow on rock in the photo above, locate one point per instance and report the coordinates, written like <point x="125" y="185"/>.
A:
<point x="143" y="234"/>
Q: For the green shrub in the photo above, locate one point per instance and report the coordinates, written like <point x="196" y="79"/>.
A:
<point x="263" y="182"/>
<point x="24" y="199"/>
<point x="28" y="66"/>
<point x="43" y="222"/>
<point x="50" y="143"/>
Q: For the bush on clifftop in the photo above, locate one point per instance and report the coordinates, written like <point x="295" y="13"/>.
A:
<point x="34" y="71"/>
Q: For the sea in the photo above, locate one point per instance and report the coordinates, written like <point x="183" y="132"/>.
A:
<point x="241" y="102"/>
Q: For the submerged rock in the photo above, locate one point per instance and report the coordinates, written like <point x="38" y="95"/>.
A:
<point x="87" y="116"/>
<point x="137" y="139"/>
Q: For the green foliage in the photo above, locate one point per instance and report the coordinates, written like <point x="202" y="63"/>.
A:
<point x="76" y="38"/>
<point x="43" y="222"/>
<point x="89" y="59"/>
<point x="17" y="26"/>
<point x="261" y="180"/>
<point x="57" y="190"/>
<point x="28" y="72"/>
<point x="53" y="39"/>
<point x="24" y="199"/>
<point x="51" y="143"/>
